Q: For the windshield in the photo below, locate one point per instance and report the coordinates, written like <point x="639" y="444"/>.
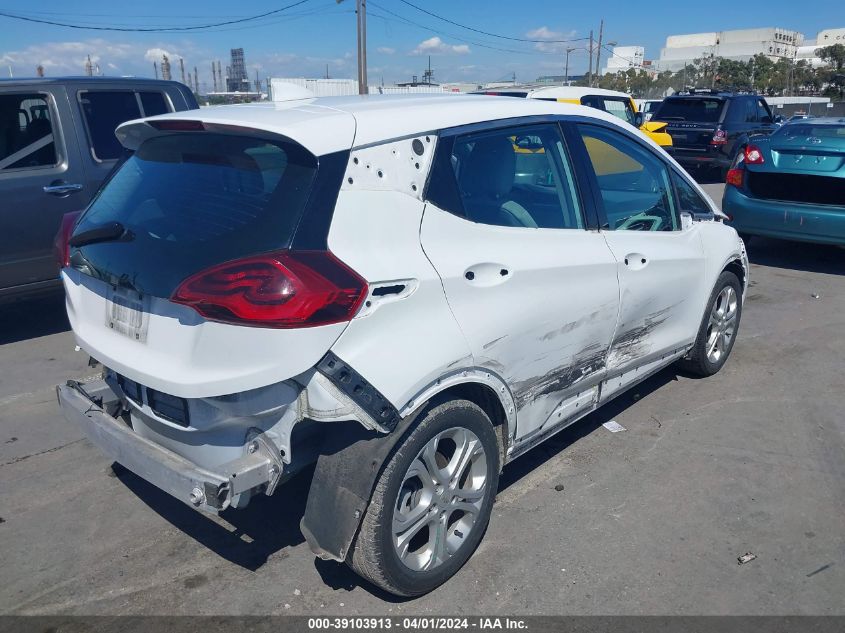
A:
<point x="195" y="199"/>
<point x="685" y="109"/>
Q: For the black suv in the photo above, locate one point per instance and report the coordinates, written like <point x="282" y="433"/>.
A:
<point x="708" y="129"/>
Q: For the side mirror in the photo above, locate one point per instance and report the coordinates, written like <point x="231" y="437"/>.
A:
<point x="638" y="119"/>
<point x="779" y="119"/>
<point x="686" y="220"/>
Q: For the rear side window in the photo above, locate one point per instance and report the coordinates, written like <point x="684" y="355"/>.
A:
<point x="518" y="176"/>
<point x="195" y="199"/>
<point x="698" y="109"/>
<point x="617" y="106"/>
<point x="104" y="110"/>
<point x="153" y="103"/>
<point x="26" y="132"/>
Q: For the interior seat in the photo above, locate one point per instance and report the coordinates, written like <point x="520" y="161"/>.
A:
<point x="486" y="180"/>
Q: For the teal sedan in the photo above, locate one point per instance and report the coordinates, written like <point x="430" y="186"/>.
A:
<point x="791" y="184"/>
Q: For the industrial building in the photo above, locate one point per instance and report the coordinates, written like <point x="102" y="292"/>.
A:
<point x="739" y="45"/>
<point x="624" y="58"/>
<point x="237" y="79"/>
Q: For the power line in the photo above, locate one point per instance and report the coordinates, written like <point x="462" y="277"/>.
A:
<point x="446" y="34"/>
<point x="152" y="30"/>
<point x="504" y="37"/>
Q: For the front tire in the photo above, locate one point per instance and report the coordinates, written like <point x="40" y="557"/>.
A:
<point x="718" y="329"/>
<point x="432" y="502"/>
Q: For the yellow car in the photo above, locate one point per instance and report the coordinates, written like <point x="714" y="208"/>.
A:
<point x="617" y="103"/>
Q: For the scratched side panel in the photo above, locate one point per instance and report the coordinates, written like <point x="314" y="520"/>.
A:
<point x="663" y="282"/>
<point x="545" y="324"/>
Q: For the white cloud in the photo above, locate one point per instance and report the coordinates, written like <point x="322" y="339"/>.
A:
<point x="157" y="54"/>
<point x="386" y="50"/>
<point x="544" y="33"/>
<point x="436" y="46"/>
<point x="551" y="46"/>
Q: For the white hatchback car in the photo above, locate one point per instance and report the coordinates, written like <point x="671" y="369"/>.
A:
<point x="408" y="292"/>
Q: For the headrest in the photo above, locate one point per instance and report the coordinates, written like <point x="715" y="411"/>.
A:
<point x="490" y="167"/>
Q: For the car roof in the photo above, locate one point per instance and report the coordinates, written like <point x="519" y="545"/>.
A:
<point x="820" y="120"/>
<point x="556" y="92"/>
<point x="329" y="124"/>
<point x="84" y="79"/>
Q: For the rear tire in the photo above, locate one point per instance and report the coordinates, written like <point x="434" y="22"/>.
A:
<point x="432" y="502"/>
<point x="718" y="329"/>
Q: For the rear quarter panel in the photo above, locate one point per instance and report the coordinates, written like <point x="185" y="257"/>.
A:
<point x="402" y="345"/>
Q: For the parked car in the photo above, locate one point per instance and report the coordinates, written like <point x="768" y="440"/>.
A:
<point x="619" y="104"/>
<point x="649" y="107"/>
<point x="57" y="144"/>
<point x="709" y="129"/>
<point x="380" y="285"/>
<point x="791" y="184"/>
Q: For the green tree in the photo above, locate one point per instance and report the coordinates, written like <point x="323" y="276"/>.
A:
<point x="833" y="55"/>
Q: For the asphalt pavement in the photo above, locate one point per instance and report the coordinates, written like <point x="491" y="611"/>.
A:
<point x="646" y="521"/>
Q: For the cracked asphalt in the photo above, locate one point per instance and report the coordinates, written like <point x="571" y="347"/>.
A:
<point x="646" y="521"/>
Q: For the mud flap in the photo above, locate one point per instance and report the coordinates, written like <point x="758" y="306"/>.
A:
<point x="347" y="469"/>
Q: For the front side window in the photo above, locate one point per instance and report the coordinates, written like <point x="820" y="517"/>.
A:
<point x="26" y="132"/>
<point x="634" y="183"/>
<point x="518" y="176"/>
<point x="689" y="199"/>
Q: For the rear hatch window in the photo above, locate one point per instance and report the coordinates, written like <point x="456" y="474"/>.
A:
<point x="699" y="110"/>
<point x="191" y="200"/>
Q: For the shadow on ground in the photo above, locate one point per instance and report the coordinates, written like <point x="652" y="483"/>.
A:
<point x="816" y="258"/>
<point x="24" y="320"/>
<point x="270" y="525"/>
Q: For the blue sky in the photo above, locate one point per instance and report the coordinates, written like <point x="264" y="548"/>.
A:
<point x="303" y="40"/>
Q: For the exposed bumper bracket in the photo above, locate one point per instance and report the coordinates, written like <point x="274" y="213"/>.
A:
<point x="205" y="489"/>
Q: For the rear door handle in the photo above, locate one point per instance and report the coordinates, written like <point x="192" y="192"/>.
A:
<point x="62" y="189"/>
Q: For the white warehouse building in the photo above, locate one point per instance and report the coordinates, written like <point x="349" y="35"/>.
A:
<point x="740" y="45"/>
<point x="623" y="58"/>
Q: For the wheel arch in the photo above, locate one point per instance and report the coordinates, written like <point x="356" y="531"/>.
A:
<point x="353" y="457"/>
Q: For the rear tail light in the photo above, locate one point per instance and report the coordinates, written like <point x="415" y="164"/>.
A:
<point x="61" y="249"/>
<point x="288" y="289"/>
<point x="753" y="155"/>
<point x="720" y="137"/>
<point x="735" y="177"/>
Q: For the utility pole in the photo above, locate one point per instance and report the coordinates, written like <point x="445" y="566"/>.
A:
<point x="566" y="72"/>
<point x="155" y="69"/>
<point x="182" y="68"/>
<point x="590" y="73"/>
<point x="598" y="51"/>
<point x="361" y="10"/>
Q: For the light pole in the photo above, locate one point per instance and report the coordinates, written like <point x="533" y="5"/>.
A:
<point x="568" y="50"/>
<point x="361" y="13"/>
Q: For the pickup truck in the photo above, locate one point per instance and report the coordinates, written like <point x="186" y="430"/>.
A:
<point x="709" y="129"/>
<point x="57" y="145"/>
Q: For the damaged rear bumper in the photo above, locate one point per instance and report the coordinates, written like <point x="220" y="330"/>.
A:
<point x="210" y="490"/>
